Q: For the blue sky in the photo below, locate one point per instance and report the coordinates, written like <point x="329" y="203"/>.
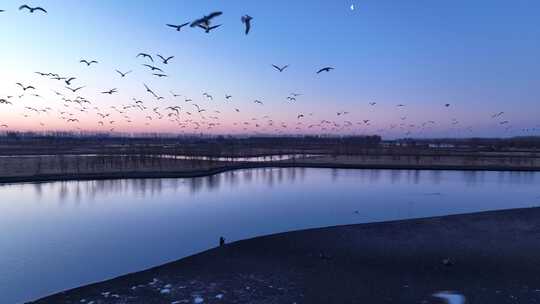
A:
<point x="479" y="56"/>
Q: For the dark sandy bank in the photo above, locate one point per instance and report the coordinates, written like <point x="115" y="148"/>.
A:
<point x="494" y="258"/>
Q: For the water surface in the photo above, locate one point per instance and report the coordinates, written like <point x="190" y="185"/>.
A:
<point x="60" y="235"/>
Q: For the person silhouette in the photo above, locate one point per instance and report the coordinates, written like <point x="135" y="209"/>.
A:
<point x="221" y="241"/>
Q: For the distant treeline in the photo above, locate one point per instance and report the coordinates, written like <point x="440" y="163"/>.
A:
<point x="521" y="142"/>
<point x="17" y="143"/>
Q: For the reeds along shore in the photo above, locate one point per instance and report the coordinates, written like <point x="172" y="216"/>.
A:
<point x="69" y="167"/>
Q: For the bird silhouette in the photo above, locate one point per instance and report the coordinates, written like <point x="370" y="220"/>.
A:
<point x="144" y="55"/>
<point x="208" y="28"/>
<point x="178" y="27"/>
<point x="69" y="80"/>
<point x="326" y="69"/>
<point x="160" y="75"/>
<point x="246" y="20"/>
<point x="280" y="69"/>
<point x="25" y="88"/>
<point x="153" y="68"/>
<point x="110" y="92"/>
<point x="88" y="63"/>
<point x="165" y="60"/>
<point x="32" y="9"/>
<point x="123" y="74"/>
<point x="206" y="19"/>
<point x="74" y="90"/>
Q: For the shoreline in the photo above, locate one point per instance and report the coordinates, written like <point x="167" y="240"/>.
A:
<point x="251" y="165"/>
<point x="492" y="254"/>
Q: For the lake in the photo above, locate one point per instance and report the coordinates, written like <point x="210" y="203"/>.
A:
<point x="55" y="236"/>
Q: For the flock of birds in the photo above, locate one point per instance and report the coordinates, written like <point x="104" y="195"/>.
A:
<point x="191" y="116"/>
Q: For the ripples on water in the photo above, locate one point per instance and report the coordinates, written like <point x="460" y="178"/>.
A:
<point x="60" y="235"/>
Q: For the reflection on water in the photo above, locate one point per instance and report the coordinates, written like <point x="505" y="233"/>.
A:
<point x="274" y="176"/>
<point x="93" y="230"/>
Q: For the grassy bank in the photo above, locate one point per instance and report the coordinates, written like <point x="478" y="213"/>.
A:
<point x="80" y="167"/>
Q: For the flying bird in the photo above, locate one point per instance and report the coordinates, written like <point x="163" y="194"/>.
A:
<point x="246" y="20"/>
<point x="177" y="27"/>
<point x="25" y="88"/>
<point x="208" y="28"/>
<point x="144" y="55"/>
<point x="110" y="92"/>
<point x="69" y="80"/>
<point x="326" y="69"/>
<point x="123" y="74"/>
<point x="205" y="20"/>
<point x="32" y="9"/>
<point x="153" y="68"/>
<point x="165" y="60"/>
<point x="88" y="63"/>
<point x="150" y="91"/>
<point x="74" y="90"/>
<point x="160" y="75"/>
<point x="280" y="69"/>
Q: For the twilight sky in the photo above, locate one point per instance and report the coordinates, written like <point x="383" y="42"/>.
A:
<point x="481" y="57"/>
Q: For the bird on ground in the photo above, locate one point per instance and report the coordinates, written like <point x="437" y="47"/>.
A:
<point x="110" y="92"/>
<point x="144" y="55"/>
<point x="280" y="69"/>
<point x="178" y="27"/>
<point x="153" y="68"/>
<point x="123" y="74"/>
<point x="205" y="19"/>
<point x="246" y="20"/>
<point x="69" y="80"/>
<point x="208" y="28"/>
<point x="165" y="60"/>
<point x="25" y="88"/>
<point x="326" y="69"/>
<point x="32" y="9"/>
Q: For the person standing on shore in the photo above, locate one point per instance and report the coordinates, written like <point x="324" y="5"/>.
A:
<point x="221" y="241"/>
